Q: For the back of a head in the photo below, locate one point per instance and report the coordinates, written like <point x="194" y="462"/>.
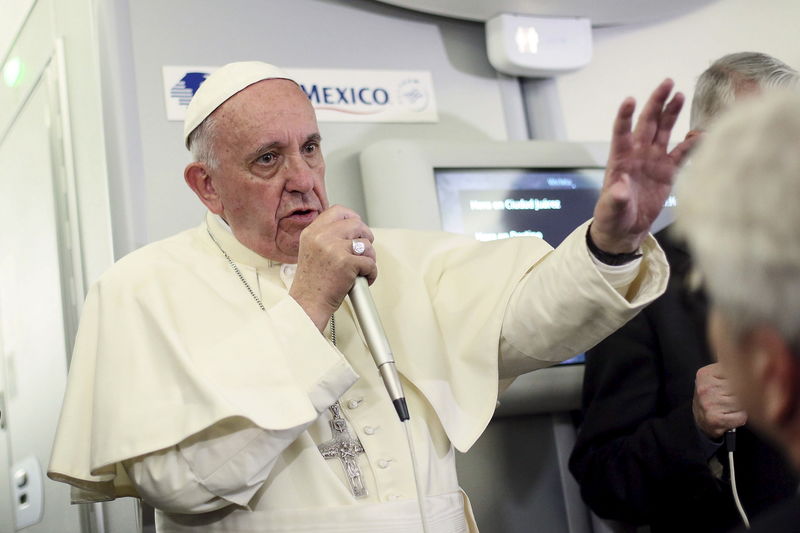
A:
<point x="732" y="75"/>
<point x="737" y="206"/>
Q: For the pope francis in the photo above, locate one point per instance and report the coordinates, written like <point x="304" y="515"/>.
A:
<point x="220" y="374"/>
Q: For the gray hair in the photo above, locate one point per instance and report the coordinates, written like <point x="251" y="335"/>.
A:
<point x="718" y="86"/>
<point x="738" y="209"/>
<point x="201" y="142"/>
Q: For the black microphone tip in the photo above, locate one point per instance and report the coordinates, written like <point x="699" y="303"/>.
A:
<point x="402" y="409"/>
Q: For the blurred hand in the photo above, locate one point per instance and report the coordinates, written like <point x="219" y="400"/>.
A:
<point x="715" y="408"/>
<point x="326" y="264"/>
<point x="639" y="173"/>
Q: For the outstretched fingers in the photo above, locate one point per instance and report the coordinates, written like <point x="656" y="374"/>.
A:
<point x="668" y="118"/>
<point x="650" y="117"/>
<point x="621" y="141"/>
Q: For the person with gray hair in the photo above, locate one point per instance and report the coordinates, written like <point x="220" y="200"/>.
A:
<point x="655" y="405"/>
<point x="732" y="77"/>
<point x="737" y="209"/>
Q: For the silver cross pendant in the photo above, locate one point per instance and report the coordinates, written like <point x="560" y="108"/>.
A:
<point x="347" y="449"/>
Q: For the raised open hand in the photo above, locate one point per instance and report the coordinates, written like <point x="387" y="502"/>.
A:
<point x="640" y="171"/>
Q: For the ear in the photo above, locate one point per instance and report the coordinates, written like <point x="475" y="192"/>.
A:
<point x="776" y="371"/>
<point x="201" y="182"/>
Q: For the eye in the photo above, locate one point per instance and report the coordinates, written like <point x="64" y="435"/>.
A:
<point x="311" y="148"/>
<point x="267" y="158"/>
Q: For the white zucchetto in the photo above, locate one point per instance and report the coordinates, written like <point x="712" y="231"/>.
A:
<point x="221" y="85"/>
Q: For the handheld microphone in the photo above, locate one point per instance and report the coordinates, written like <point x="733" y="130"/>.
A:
<point x="730" y="440"/>
<point x="370" y="323"/>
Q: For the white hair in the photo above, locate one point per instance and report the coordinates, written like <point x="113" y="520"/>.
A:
<point x="201" y="142"/>
<point x="739" y="209"/>
<point x="718" y="86"/>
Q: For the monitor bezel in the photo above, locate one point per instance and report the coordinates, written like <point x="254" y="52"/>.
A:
<point x="401" y="173"/>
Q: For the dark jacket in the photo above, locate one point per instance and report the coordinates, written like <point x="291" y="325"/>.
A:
<point x="783" y="518"/>
<point x="639" y="457"/>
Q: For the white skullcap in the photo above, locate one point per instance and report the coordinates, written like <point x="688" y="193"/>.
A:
<point x="221" y="85"/>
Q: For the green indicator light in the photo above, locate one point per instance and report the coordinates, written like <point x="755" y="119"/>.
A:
<point x="13" y="71"/>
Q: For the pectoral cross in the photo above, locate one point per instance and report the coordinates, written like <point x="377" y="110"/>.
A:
<point x="346" y="448"/>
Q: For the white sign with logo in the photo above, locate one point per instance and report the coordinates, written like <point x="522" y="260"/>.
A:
<point x="337" y="95"/>
<point x="369" y="95"/>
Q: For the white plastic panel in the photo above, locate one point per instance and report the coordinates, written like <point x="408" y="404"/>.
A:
<point x="27" y="486"/>
<point x="31" y="314"/>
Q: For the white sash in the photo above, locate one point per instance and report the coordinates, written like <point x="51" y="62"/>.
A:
<point x="446" y="514"/>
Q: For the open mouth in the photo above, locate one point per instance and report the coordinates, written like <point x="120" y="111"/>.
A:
<point x="303" y="215"/>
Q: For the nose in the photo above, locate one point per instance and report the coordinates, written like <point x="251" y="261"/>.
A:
<point x="299" y="175"/>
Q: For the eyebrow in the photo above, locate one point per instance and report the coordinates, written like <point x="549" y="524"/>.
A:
<point x="314" y="137"/>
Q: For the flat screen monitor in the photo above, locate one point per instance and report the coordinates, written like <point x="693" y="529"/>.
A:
<point x="492" y="204"/>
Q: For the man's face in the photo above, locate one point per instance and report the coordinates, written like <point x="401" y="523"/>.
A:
<point x="270" y="171"/>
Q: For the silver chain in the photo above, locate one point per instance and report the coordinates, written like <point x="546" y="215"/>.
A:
<point x="238" y="272"/>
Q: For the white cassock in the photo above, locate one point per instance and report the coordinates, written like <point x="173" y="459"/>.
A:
<point x="183" y="392"/>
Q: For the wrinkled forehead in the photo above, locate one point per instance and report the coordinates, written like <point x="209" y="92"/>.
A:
<point x="271" y="112"/>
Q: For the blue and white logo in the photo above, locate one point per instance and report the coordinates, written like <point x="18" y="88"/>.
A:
<point x="187" y="86"/>
<point x="180" y="85"/>
<point x="413" y="94"/>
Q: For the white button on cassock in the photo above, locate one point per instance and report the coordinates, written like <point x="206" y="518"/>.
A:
<point x="369" y="430"/>
<point x="384" y="463"/>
